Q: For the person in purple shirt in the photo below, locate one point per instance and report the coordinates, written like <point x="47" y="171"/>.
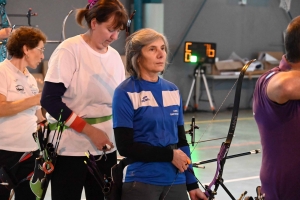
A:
<point x="276" y="109"/>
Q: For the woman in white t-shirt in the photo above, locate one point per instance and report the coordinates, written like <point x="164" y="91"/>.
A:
<point x="83" y="73"/>
<point x="20" y="107"/>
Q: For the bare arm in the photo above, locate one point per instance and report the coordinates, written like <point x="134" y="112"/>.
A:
<point x="98" y="137"/>
<point x="9" y="108"/>
<point x="197" y="194"/>
<point x="4" y="33"/>
<point x="39" y="115"/>
<point x="284" y="86"/>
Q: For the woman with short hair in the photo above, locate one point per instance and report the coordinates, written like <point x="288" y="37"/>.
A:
<point x="20" y="106"/>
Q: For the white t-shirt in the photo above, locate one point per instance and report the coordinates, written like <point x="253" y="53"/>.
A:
<point x="90" y="79"/>
<point x="16" y="130"/>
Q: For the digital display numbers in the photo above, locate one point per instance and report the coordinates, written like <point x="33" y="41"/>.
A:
<point x="199" y="52"/>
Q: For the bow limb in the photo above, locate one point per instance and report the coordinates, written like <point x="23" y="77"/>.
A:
<point x="63" y="33"/>
<point x="221" y="159"/>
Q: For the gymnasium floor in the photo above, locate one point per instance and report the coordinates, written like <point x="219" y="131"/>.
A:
<point x="240" y="173"/>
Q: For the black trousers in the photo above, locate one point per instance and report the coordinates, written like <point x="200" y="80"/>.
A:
<point x="70" y="175"/>
<point x="21" y="171"/>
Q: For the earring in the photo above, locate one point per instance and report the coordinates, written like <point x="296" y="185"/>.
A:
<point x="26" y="56"/>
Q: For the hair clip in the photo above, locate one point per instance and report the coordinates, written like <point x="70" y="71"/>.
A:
<point x="129" y="23"/>
<point x="92" y="3"/>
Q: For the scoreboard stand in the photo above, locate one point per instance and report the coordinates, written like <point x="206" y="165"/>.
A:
<point x="198" y="74"/>
<point x="200" y="53"/>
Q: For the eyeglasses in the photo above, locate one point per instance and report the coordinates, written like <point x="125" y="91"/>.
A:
<point x="41" y="49"/>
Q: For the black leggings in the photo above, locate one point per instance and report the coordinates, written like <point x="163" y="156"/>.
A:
<point x="70" y="175"/>
<point x="21" y="171"/>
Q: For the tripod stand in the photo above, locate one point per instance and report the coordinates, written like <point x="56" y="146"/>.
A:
<point x="198" y="73"/>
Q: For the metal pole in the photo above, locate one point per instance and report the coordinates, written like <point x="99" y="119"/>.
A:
<point x="138" y="19"/>
<point x="212" y="107"/>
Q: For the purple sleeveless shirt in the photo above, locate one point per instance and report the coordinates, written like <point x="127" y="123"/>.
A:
<point x="279" y="128"/>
